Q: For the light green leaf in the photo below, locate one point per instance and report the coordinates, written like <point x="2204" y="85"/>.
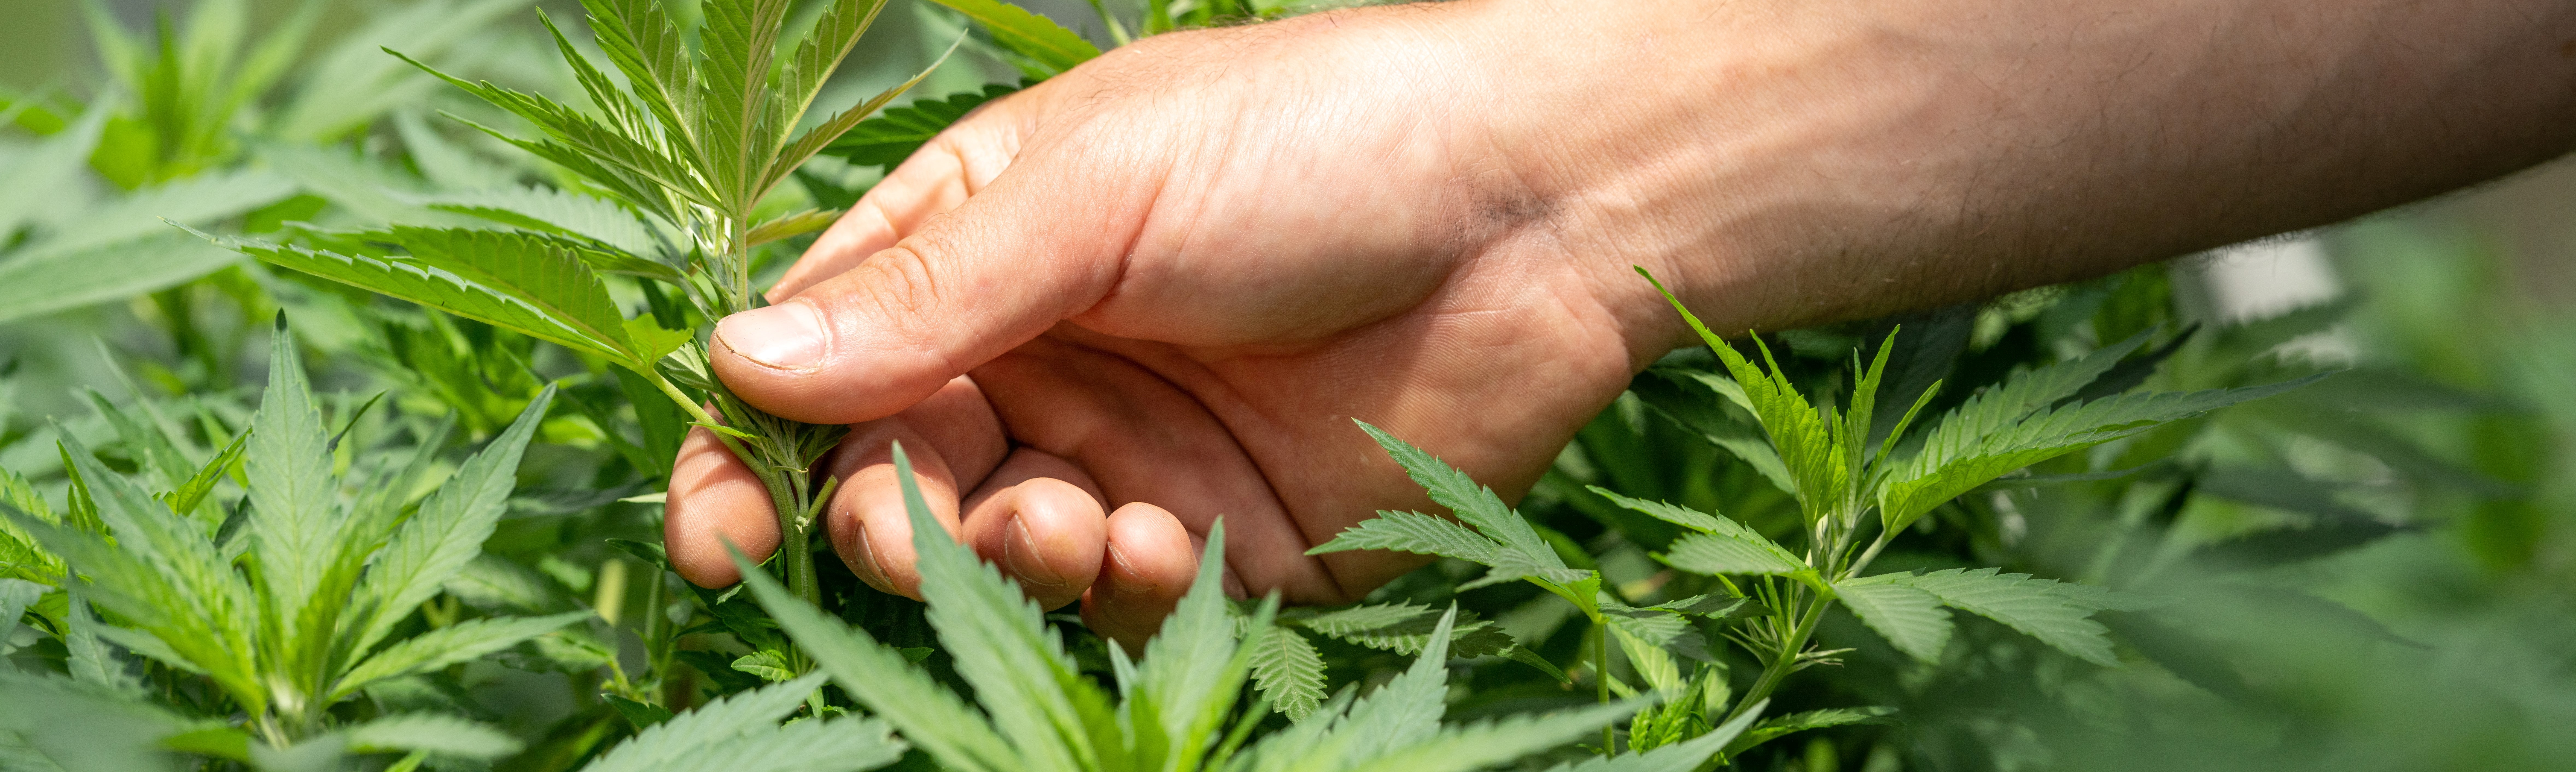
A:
<point x="91" y="660"/>
<point x="1485" y="744"/>
<point x="161" y="574"/>
<point x="1286" y="668"/>
<point x="424" y="285"/>
<point x="1474" y="504"/>
<point x="1685" y="517"/>
<point x="352" y="82"/>
<point x="792" y="224"/>
<point x="823" y="49"/>
<point x="884" y="681"/>
<point x="2100" y="598"/>
<point x="1194" y="667"/>
<point x="713" y="736"/>
<point x="295" y="513"/>
<point x="643" y="43"/>
<point x="446" y="164"/>
<point x="559" y="212"/>
<point x="1804" y="435"/>
<point x="449" y="645"/>
<point x="999" y="641"/>
<point x="446" y="533"/>
<point x="889" y="138"/>
<point x="82" y="728"/>
<point x="1400" y="714"/>
<point x="1027" y="34"/>
<point x="1414" y="532"/>
<point x="48" y="169"/>
<point x="1678" y="757"/>
<point x="194" y="200"/>
<point x="1733" y="553"/>
<point x="541" y="272"/>
<point x="2034" y="606"/>
<point x="430" y="733"/>
<point x="814" y="140"/>
<point x="768" y="665"/>
<point x="1908" y="617"/>
<point x="805" y="745"/>
<point x="41" y="284"/>
<point x="1952" y="462"/>
<point x="1404" y="628"/>
<point x="736" y="127"/>
<point x="1827" y="718"/>
<point x="15" y="596"/>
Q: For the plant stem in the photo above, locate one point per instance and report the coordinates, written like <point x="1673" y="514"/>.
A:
<point x="1601" y="681"/>
<point x="1782" y="662"/>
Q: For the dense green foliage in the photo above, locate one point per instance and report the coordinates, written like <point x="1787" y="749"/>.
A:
<point x="435" y="546"/>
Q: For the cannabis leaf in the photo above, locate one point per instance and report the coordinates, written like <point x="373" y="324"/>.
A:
<point x="1501" y="541"/>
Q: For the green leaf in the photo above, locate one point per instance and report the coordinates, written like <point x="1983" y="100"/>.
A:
<point x="770" y="666"/>
<point x="1678" y="757"/>
<point x="1804" y="435"/>
<point x="1485" y="744"/>
<point x="449" y="645"/>
<point x="44" y="171"/>
<point x="433" y="734"/>
<point x="792" y="224"/>
<point x="798" y="152"/>
<point x="1778" y="726"/>
<point x="1414" y="532"/>
<point x="1404" y="628"/>
<point x="1027" y="34"/>
<point x="1685" y="517"/>
<point x="427" y="286"/>
<point x="1733" y="553"/>
<point x="91" y="660"/>
<point x="823" y="49"/>
<point x="999" y="642"/>
<point x="735" y="127"/>
<point x="1194" y="667"/>
<point x="641" y="715"/>
<point x="2100" y="598"/>
<point x="1908" y="617"/>
<point x="544" y="273"/>
<point x="2034" y="606"/>
<point x="1682" y="397"/>
<point x="15" y="596"/>
<point x="34" y="285"/>
<point x="446" y="533"/>
<point x="891" y="137"/>
<point x="84" y="729"/>
<point x="161" y="573"/>
<point x="295" y="514"/>
<point x="1954" y="461"/>
<point x="1474" y="504"/>
<point x="192" y="493"/>
<point x="1400" y="714"/>
<point x="1286" y="668"/>
<point x="558" y="212"/>
<point x="740" y="733"/>
<point x="885" y="682"/>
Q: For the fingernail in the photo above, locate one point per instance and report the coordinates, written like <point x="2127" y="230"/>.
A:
<point x="785" y="337"/>
<point x="1133" y="584"/>
<point x="874" y="569"/>
<point x="1020" y="554"/>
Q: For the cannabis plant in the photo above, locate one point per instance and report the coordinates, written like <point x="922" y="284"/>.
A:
<point x="686" y="150"/>
<point x="259" y="623"/>
<point x="1178" y="707"/>
<point x="1854" y="491"/>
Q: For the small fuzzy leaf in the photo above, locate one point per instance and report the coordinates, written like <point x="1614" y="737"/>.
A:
<point x="1286" y="668"/>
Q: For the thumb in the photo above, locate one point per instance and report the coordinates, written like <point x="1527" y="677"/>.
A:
<point x="1040" y="243"/>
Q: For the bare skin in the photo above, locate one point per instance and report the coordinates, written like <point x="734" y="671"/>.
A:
<point x="1154" y="290"/>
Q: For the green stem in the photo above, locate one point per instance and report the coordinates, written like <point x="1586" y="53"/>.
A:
<point x="1601" y="681"/>
<point x="1785" y="660"/>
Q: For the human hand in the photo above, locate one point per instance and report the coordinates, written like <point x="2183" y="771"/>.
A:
<point x="1151" y="291"/>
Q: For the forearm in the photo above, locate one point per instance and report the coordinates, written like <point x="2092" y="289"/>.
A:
<point x="1797" y="162"/>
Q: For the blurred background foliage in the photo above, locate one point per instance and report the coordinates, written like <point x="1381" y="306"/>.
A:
<point x="2417" y="614"/>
